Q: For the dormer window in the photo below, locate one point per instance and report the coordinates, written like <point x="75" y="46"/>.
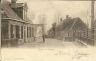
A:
<point x="20" y="9"/>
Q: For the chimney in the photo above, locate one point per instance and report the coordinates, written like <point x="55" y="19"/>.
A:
<point x="13" y="1"/>
<point x="67" y="16"/>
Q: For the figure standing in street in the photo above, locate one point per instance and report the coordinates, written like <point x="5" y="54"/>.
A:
<point x="43" y="36"/>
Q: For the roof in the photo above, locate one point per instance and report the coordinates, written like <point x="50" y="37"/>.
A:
<point x="5" y="5"/>
<point x="68" y="24"/>
<point x="8" y="10"/>
<point x="71" y="24"/>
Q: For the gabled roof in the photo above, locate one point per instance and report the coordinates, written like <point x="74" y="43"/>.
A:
<point x="5" y="5"/>
<point x="70" y="24"/>
<point x="9" y="12"/>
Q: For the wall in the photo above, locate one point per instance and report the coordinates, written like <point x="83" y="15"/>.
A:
<point x="4" y="29"/>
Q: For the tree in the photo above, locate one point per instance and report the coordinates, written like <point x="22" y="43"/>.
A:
<point x="54" y="29"/>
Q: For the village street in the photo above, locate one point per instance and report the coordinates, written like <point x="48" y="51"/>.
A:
<point x="53" y="43"/>
<point x="25" y="24"/>
<point x="51" y="50"/>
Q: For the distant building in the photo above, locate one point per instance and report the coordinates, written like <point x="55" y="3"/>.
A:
<point x="70" y="29"/>
<point x="16" y="28"/>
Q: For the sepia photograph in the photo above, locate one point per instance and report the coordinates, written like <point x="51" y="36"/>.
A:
<point x="48" y="30"/>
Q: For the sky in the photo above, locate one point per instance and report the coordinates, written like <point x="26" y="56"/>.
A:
<point x="51" y="10"/>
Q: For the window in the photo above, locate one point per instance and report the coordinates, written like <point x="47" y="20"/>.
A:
<point x="11" y="31"/>
<point x="17" y="32"/>
<point x="22" y="32"/>
<point x="32" y="32"/>
<point x="27" y="32"/>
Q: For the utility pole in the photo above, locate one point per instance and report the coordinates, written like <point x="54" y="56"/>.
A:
<point x="92" y="21"/>
<point x="0" y="30"/>
<point x="43" y="19"/>
<point x="0" y="23"/>
<point x="43" y="35"/>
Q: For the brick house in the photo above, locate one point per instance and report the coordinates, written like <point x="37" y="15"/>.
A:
<point x="16" y="28"/>
<point x="69" y="29"/>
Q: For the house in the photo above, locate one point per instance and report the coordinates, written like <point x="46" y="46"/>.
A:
<point x="69" y="29"/>
<point x="16" y="28"/>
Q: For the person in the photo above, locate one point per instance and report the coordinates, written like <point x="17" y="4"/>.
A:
<point x="43" y="36"/>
